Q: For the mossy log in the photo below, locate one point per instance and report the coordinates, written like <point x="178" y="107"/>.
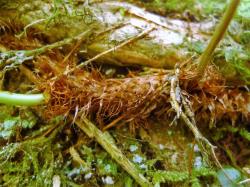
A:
<point x="114" y="23"/>
<point x="160" y="48"/>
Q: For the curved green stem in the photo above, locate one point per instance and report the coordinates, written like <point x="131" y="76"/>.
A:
<point x="9" y="98"/>
<point x="217" y="36"/>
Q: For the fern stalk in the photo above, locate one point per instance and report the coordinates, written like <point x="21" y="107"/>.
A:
<point x="9" y="98"/>
<point x="217" y="36"/>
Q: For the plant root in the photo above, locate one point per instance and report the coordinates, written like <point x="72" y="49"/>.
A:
<point x="177" y="100"/>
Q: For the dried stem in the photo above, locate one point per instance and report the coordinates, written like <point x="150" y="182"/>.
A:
<point x="17" y="57"/>
<point x="132" y="39"/>
<point x="104" y="140"/>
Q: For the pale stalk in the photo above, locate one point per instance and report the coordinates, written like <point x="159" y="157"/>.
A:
<point x="16" y="99"/>
<point x="217" y="36"/>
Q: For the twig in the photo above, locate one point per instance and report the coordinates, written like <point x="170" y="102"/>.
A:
<point x="17" y="57"/>
<point x="113" y="123"/>
<point x="117" y="26"/>
<point x="244" y="181"/>
<point x="98" y="34"/>
<point x="104" y="140"/>
<point x="24" y="32"/>
<point x="130" y="40"/>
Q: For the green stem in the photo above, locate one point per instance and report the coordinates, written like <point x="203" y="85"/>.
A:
<point x="217" y="36"/>
<point x="9" y="98"/>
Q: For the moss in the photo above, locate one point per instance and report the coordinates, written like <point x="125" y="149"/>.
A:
<point x="197" y="10"/>
<point x="30" y="162"/>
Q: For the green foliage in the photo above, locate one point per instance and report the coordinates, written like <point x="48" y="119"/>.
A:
<point x="105" y="165"/>
<point x="201" y="9"/>
<point x="197" y="46"/>
<point x="243" y="10"/>
<point x="99" y="166"/>
<point x="29" y="162"/>
<point x="64" y="12"/>
<point x="245" y="37"/>
<point x="174" y="5"/>
<point x="239" y="59"/>
<point x="88" y="155"/>
<point x="12" y="125"/>
<point x="209" y="7"/>
<point x="221" y="132"/>
<point x="236" y="51"/>
<point x="169" y="176"/>
<point x="245" y="134"/>
<point x="204" y="172"/>
<point x="6" y="111"/>
<point x="159" y="177"/>
<point x="128" y="181"/>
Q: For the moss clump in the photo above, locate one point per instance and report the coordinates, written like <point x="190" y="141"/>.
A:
<point x="30" y="161"/>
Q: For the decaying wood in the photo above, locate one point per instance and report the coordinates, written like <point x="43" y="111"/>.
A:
<point x="159" y="48"/>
